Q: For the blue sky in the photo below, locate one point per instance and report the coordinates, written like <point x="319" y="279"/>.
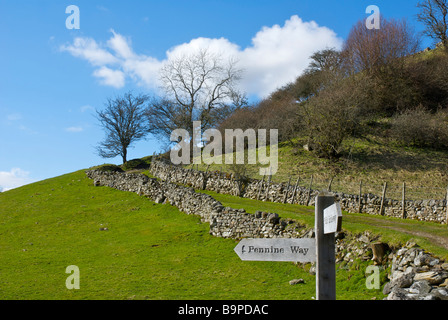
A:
<point x="52" y="79"/>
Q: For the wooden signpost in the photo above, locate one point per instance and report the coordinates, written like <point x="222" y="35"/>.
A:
<point x="332" y="218"/>
<point x="328" y="219"/>
<point x="325" y="250"/>
<point x="278" y="249"/>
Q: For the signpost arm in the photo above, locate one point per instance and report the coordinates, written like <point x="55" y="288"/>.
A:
<point x="325" y="252"/>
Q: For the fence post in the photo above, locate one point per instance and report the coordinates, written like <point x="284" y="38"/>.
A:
<point x="287" y="190"/>
<point x="329" y="185"/>
<point x="382" y="199"/>
<point x="360" y="197"/>
<point x="259" y="188"/>
<point x="267" y="188"/>
<point x="204" y="179"/>
<point x="309" y="191"/>
<point x="403" y="201"/>
<point x="446" y="204"/>
<point x="295" y="189"/>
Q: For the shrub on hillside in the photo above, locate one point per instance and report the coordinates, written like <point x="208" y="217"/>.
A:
<point x="147" y="159"/>
<point x="379" y="58"/>
<point x="421" y="128"/>
<point x="429" y="78"/>
<point x="135" y="164"/>
<point x="108" y="168"/>
<point x="331" y="117"/>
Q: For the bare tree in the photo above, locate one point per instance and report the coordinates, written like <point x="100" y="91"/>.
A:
<point x="198" y="87"/>
<point x="372" y="49"/>
<point x="325" y="60"/>
<point x="124" y="123"/>
<point x="434" y="15"/>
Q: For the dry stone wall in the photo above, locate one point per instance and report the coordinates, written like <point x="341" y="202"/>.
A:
<point x="423" y="210"/>
<point x="224" y="221"/>
<point x="415" y="273"/>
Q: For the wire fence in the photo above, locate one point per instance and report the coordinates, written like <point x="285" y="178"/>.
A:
<point x="349" y="185"/>
<point x="391" y="190"/>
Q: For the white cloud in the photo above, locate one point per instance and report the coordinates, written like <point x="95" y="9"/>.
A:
<point x="220" y="46"/>
<point x="121" y="46"/>
<point x="74" y="129"/>
<point x="90" y="50"/>
<point x="276" y="56"/>
<point x="279" y="54"/>
<point x="109" y="77"/>
<point x="14" y="179"/>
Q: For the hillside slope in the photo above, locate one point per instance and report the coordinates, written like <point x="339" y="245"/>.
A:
<point x="149" y="251"/>
<point x="373" y="161"/>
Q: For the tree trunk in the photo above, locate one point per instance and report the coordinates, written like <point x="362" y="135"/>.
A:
<point x="125" y="152"/>
<point x="378" y="250"/>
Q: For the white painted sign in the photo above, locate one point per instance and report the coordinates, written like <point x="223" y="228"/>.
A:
<point x="332" y="218"/>
<point x="277" y="249"/>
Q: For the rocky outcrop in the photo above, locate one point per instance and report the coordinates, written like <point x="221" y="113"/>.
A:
<point x="417" y="275"/>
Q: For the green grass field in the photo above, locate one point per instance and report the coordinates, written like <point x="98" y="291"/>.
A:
<point x="425" y="234"/>
<point x="150" y="251"/>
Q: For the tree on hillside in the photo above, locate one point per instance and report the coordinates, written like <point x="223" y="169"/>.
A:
<point x="124" y="123"/>
<point x="330" y="117"/>
<point x="377" y="57"/>
<point x="197" y="87"/>
<point x="279" y="109"/>
<point x="325" y="60"/>
<point x="434" y="15"/>
<point x="371" y="49"/>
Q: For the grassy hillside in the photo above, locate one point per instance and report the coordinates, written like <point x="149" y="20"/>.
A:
<point x="396" y="232"/>
<point x="387" y="123"/>
<point x="373" y="161"/>
<point x="149" y="251"/>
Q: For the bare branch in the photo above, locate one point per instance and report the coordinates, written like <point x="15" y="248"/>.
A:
<point x="124" y="123"/>
<point x="195" y="85"/>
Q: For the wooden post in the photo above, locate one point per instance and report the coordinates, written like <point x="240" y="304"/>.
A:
<point x="446" y="204"/>
<point x="403" y="201"/>
<point x="329" y="185"/>
<point x="382" y="199"/>
<point x="325" y="251"/>
<point x="259" y="188"/>
<point x="294" y="192"/>
<point x="287" y="190"/>
<point x="360" y="197"/>
<point x="309" y="191"/>
<point x="378" y="250"/>
<point x="204" y="179"/>
<point x="267" y="188"/>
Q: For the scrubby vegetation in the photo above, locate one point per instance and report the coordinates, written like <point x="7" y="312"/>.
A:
<point x="379" y="77"/>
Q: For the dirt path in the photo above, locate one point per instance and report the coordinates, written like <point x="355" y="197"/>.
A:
<point x="436" y="234"/>
<point x="437" y="240"/>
